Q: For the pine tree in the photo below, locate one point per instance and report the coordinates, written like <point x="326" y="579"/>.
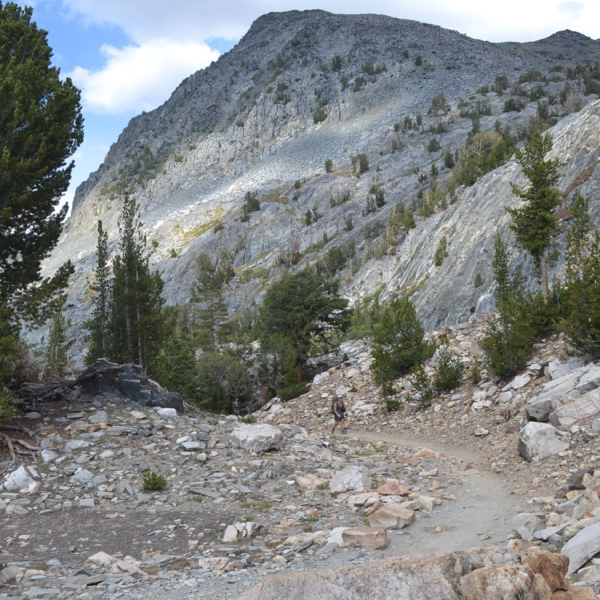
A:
<point x="99" y="323"/>
<point x="398" y="340"/>
<point x="582" y="282"/>
<point x="138" y="329"/>
<point x="535" y="222"/>
<point x="40" y="128"/>
<point x="509" y="335"/>
<point x="56" y="356"/>
<point x="304" y="308"/>
<point x="207" y="291"/>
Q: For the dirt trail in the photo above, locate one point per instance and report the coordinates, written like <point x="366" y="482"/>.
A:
<point x="480" y="516"/>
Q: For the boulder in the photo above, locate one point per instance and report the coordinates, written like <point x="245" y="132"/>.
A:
<point x="351" y="479"/>
<point x="580" y="408"/>
<point x="392" y="516"/>
<point x="504" y="583"/>
<point x="552" y="567"/>
<point x="374" y="538"/>
<point x="436" y="578"/>
<point x="557" y="369"/>
<point x="541" y="440"/>
<point x="257" y="437"/>
<point x="526" y="524"/>
<point x="582" y="546"/>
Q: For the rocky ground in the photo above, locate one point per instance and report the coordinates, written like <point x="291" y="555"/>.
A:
<point x="239" y="508"/>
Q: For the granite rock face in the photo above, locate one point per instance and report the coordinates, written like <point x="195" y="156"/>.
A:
<point x="251" y="122"/>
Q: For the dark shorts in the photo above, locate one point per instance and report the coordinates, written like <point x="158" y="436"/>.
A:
<point x="338" y="417"/>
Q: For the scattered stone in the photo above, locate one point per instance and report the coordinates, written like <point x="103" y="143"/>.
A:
<point x="392" y="516"/>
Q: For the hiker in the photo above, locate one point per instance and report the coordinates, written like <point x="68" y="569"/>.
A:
<point x="339" y="412"/>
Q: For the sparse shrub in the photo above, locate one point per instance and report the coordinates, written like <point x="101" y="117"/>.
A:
<point x="249" y="419"/>
<point x="393" y="405"/>
<point x="418" y="61"/>
<point x="336" y="63"/>
<point x="379" y="195"/>
<point x="293" y="391"/>
<point x="475" y="371"/>
<point x="421" y="386"/>
<point x="360" y="163"/>
<point x="152" y="482"/>
<point x="479" y="281"/>
<point x="319" y="115"/>
<point x="7" y="410"/>
<point x="450" y="370"/>
<point x="359" y="83"/>
<point x="433" y="145"/>
<point x="441" y="253"/>
<point x="328" y="166"/>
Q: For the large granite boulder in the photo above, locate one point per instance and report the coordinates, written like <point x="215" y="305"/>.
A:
<point x="257" y="437"/>
<point x="582" y="546"/>
<point x="541" y="440"/>
<point x="479" y="574"/>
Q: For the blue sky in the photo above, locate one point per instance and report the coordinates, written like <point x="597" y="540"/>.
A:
<point x="129" y="55"/>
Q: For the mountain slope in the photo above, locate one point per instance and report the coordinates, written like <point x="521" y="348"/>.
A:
<point x="299" y="89"/>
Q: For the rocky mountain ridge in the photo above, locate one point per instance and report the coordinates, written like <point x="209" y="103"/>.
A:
<point x="305" y="87"/>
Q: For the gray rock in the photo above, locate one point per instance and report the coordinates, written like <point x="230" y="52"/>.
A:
<point x="581" y="547"/>
<point x="167" y="400"/>
<point x="541" y="440"/>
<point x="73" y="445"/>
<point x="100" y="417"/>
<point x="257" y="437"/>
<point x="557" y="369"/>
<point x="353" y="478"/>
<point x="526" y="524"/>
<point x="18" y="479"/>
<point x="32" y="415"/>
<point x="82" y="477"/>
<point x="580" y="408"/>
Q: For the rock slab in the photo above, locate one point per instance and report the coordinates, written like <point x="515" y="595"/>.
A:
<point x="257" y="438"/>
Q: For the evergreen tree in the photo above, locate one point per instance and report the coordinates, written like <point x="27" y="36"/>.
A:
<point x="56" y="356"/>
<point x="99" y="323"/>
<point x="398" y="340"/>
<point x="207" y="291"/>
<point x="40" y="128"/>
<point x="509" y="336"/>
<point x="305" y="308"/>
<point x="138" y="329"/>
<point x="535" y="223"/>
<point x="582" y="282"/>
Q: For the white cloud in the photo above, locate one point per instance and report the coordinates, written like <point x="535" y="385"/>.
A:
<point x="137" y="78"/>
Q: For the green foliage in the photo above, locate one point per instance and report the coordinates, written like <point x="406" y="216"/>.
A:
<point x="509" y="337"/>
<point x="336" y="258"/>
<point x="418" y="61"/>
<point x="293" y="391"/>
<point x="359" y="83"/>
<point x="328" y="166"/>
<point x="210" y="312"/>
<point x="40" y="128"/>
<point x="501" y="84"/>
<point x="433" y="145"/>
<point x="98" y="325"/>
<point x="422" y="386"/>
<point x="393" y="405"/>
<point x="152" y="482"/>
<point x="7" y="410"/>
<point x="137" y="324"/>
<point x="514" y="105"/>
<point x="449" y="371"/>
<point x="319" y="115"/>
<point x="379" y="195"/>
<point x="582" y="282"/>
<point x="535" y="223"/>
<point x="11" y="351"/>
<point x="478" y="281"/>
<point x="438" y="105"/>
<point x="441" y="252"/>
<point x="398" y="340"/>
<point x="483" y="152"/>
<point x="249" y="419"/>
<point x="336" y="63"/>
<point x="304" y="308"/>
<point x="224" y="383"/>
<point x="360" y="163"/>
<point x="401" y="220"/>
<point x="56" y="355"/>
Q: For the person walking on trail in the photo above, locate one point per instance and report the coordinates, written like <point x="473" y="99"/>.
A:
<point x="339" y="412"/>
